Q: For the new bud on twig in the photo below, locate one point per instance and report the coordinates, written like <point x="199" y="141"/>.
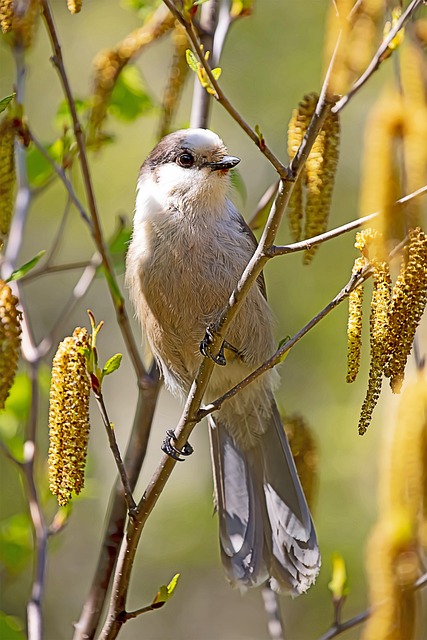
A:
<point x="69" y="417"/>
<point x="74" y="6"/>
<point x="10" y="339"/>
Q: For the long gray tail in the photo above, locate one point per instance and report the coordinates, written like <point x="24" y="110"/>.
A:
<point x="265" y="526"/>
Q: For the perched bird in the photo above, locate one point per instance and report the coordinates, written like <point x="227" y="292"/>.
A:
<point x="188" y="250"/>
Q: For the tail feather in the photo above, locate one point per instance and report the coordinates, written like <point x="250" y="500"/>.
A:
<point x="265" y="525"/>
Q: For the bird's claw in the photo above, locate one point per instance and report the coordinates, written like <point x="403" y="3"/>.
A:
<point x="205" y="348"/>
<point x="168" y="448"/>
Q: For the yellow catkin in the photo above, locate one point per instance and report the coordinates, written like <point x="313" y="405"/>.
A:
<point x="413" y="73"/>
<point x="380" y="185"/>
<point x="338" y="25"/>
<point x="74" y="6"/>
<point x="358" y="30"/>
<point x="364" y="36"/>
<point x="379" y="319"/>
<point x="393" y="558"/>
<point x="68" y="417"/>
<point x="177" y="75"/>
<point x="297" y="127"/>
<point x="305" y="453"/>
<point x="320" y="170"/>
<point x="408" y="302"/>
<point x="6" y="15"/>
<point x="392" y="606"/>
<point x="7" y="174"/>
<point x="10" y="339"/>
<point x="108" y="64"/>
<point x="354" y="325"/>
<point x="20" y="20"/>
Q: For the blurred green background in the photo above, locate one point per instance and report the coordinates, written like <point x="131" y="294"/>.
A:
<point x="270" y="60"/>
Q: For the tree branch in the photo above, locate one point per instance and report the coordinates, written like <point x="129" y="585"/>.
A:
<point x="338" y="231"/>
<point x="109" y="427"/>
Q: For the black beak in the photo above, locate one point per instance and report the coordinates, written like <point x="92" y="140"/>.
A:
<point x="228" y="162"/>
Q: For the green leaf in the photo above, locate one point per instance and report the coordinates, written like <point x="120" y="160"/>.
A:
<point x="112" y="364"/>
<point x="20" y="273"/>
<point x="192" y="60"/>
<point x="216" y="72"/>
<point x="165" y="592"/>
<point x="11" y="628"/>
<point x="129" y="98"/>
<point x="4" y="102"/>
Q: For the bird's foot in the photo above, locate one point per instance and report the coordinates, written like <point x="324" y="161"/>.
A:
<point x="205" y="347"/>
<point x="168" y="448"/>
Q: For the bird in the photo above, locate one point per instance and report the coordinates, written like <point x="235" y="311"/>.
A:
<point x="189" y="247"/>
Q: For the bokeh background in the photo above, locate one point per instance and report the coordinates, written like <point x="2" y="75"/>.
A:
<point x="270" y="60"/>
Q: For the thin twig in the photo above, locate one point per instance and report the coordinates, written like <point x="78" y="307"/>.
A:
<point x="109" y="427"/>
<point x="378" y="57"/>
<point x="95" y="225"/>
<point x="55" y="268"/>
<point x="86" y="627"/>
<point x="219" y="94"/>
<point x="200" y="108"/>
<point x="63" y="177"/>
<point x="277" y="250"/>
<point x="280" y="354"/>
<point x="337" y="629"/>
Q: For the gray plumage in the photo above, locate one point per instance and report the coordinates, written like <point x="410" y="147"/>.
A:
<point x="189" y="248"/>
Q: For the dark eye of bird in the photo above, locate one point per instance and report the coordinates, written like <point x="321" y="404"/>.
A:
<point x="185" y="160"/>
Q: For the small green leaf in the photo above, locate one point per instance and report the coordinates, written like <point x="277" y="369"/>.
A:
<point x="129" y="98"/>
<point x="192" y="60"/>
<point x="281" y="343"/>
<point x="20" y="273"/>
<point x="338" y="584"/>
<point x="4" y="102"/>
<point x="165" y="592"/>
<point x="216" y="72"/>
<point x="112" y="364"/>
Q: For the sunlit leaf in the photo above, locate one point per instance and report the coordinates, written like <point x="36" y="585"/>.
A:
<point x="165" y="592"/>
<point x="129" y="98"/>
<point x="192" y="60"/>
<point x="112" y="364"/>
<point x="25" y="268"/>
<point x="4" y="102"/>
